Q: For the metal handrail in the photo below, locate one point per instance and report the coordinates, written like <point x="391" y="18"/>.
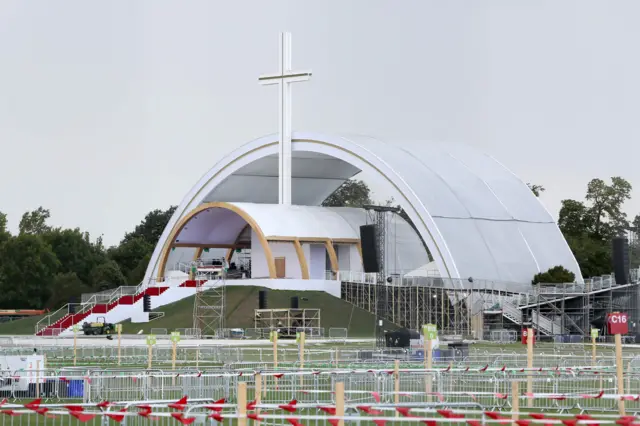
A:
<point x="89" y="304"/>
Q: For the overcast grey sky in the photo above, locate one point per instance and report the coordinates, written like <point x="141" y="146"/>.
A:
<point x="111" y="109"/>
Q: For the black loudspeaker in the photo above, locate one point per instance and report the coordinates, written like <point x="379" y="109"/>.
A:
<point x="295" y="302"/>
<point x="398" y="339"/>
<point x="620" y="257"/>
<point x="369" y="248"/>
<point x="73" y="304"/>
<point x="146" y="303"/>
<point x="262" y="299"/>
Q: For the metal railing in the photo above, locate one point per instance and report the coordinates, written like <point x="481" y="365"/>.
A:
<point x="102" y="298"/>
<point x="546" y="325"/>
<point x="511" y="312"/>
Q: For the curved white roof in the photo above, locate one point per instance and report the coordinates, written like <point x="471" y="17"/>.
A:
<point x="221" y="226"/>
<point x="278" y="220"/>
<point x="477" y="218"/>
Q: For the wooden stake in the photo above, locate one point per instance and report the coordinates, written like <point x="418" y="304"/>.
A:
<point x="428" y="356"/>
<point x="396" y="384"/>
<point x="593" y="351"/>
<point x="258" y="391"/>
<point x="242" y="404"/>
<point x="75" y="346"/>
<point x="301" y="356"/>
<point x="119" y="345"/>
<point x="340" y="402"/>
<point x="619" y="372"/>
<point x="515" y="401"/>
<point x="530" y="365"/>
<point x="38" y="379"/>
<point x="150" y="356"/>
<point x="173" y="355"/>
<point x="275" y="350"/>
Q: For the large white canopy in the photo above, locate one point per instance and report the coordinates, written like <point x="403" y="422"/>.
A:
<point x="222" y="226"/>
<point x="477" y="218"/>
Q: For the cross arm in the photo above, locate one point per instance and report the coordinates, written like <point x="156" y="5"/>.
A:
<point x="287" y="78"/>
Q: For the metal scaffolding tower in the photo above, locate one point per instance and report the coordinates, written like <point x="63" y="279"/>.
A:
<point x="209" y="306"/>
<point x="382" y="305"/>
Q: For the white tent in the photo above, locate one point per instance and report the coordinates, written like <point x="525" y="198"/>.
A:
<point x="428" y="270"/>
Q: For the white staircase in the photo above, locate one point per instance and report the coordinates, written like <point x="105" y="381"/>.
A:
<point x="511" y="312"/>
<point x="547" y="326"/>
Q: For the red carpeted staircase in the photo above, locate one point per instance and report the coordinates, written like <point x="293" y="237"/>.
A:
<point x="71" y="319"/>
<point x="193" y="283"/>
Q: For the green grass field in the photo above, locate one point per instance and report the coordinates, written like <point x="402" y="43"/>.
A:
<point x="240" y="304"/>
<point x="20" y="327"/>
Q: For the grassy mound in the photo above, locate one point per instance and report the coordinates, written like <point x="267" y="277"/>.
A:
<point x="241" y="302"/>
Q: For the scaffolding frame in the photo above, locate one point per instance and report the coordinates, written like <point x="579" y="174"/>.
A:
<point x="209" y="307"/>
<point x="413" y="306"/>
<point x="287" y="318"/>
<point x="576" y="312"/>
<point x="474" y="312"/>
<point x="383" y="304"/>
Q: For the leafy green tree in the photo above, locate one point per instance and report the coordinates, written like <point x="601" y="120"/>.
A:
<point x="606" y="206"/>
<point x="66" y="286"/>
<point x="352" y="193"/>
<point x="589" y="227"/>
<point x="3" y="222"/>
<point x="152" y="226"/>
<point x="135" y="249"/>
<point x="137" y="274"/>
<point x="26" y="273"/>
<point x="129" y="254"/>
<point x="107" y="275"/>
<point x="536" y="189"/>
<point x="634" y="244"/>
<point x="556" y="275"/>
<point x="593" y="255"/>
<point x="4" y="233"/>
<point x="75" y="251"/>
<point x="574" y="219"/>
<point x="35" y="222"/>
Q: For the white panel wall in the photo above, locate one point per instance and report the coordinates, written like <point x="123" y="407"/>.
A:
<point x="355" y="261"/>
<point x="173" y="294"/>
<point x="316" y="260"/>
<point x="343" y="251"/>
<point x="259" y="268"/>
<point x="288" y="251"/>
<point x="173" y="279"/>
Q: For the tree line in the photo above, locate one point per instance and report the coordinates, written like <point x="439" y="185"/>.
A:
<point x="44" y="267"/>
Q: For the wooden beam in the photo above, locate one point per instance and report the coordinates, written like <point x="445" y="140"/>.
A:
<point x="198" y="253"/>
<point x="164" y="257"/>
<point x="304" y="267"/>
<point x="346" y="240"/>
<point x="204" y="246"/>
<point x="333" y="257"/>
<point x="282" y="238"/>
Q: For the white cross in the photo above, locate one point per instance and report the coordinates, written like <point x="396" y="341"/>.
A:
<point x="284" y="78"/>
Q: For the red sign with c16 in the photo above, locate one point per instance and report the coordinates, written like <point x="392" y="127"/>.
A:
<point x="617" y="323"/>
